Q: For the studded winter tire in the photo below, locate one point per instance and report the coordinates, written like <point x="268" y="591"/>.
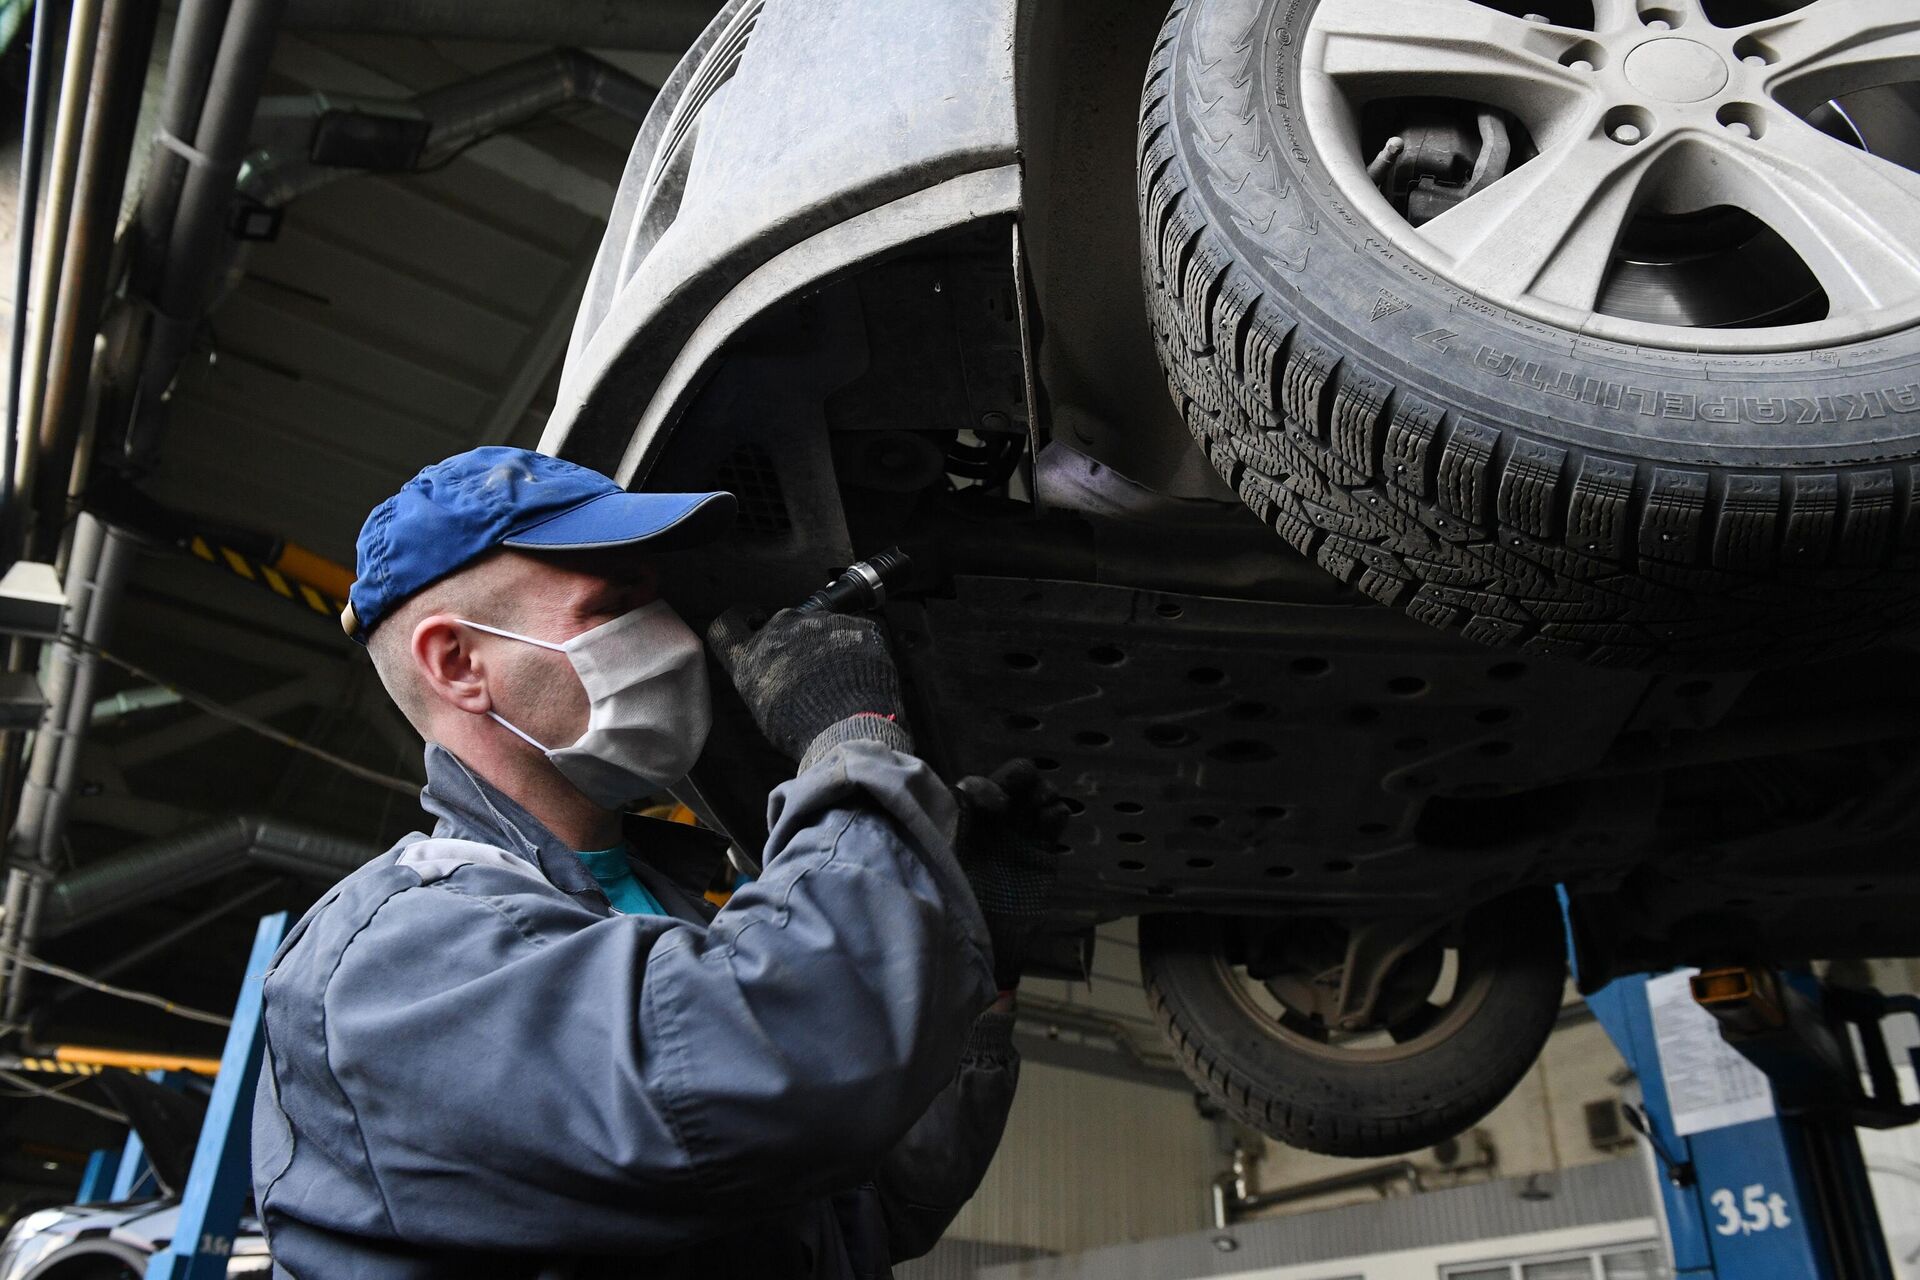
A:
<point x="1632" y="375"/>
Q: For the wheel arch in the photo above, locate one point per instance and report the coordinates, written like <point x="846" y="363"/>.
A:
<point x="726" y="207"/>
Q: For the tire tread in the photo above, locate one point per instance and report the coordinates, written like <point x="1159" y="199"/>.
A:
<point x="1463" y="524"/>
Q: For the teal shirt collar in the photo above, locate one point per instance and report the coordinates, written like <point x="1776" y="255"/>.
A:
<point x="610" y="869"/>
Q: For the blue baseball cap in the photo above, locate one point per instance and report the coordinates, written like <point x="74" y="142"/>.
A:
<point x="453" y="512"/>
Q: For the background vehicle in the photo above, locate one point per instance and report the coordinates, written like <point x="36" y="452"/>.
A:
<point x="109" y="1242"/>
<point x="1587" y="335"/>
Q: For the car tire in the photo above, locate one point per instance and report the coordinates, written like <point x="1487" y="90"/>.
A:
<point x="1467" y="463"/>
<point x="1366" y="1102"/>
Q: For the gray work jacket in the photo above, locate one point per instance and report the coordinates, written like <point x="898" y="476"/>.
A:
<point x="476" y="1068"/>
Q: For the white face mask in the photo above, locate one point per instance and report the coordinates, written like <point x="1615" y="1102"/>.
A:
<point x="647" y="705"/>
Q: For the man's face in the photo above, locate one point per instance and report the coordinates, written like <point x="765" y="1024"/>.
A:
<point x="552" y="597"/>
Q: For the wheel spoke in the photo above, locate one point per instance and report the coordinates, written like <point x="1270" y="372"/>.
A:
<point x="1611" y="14"/>
<point x="1450" y="48"/>
<point x="1548" y="228"/>
<point x="1834" y="47"/>
<point x="1852" y="217"/>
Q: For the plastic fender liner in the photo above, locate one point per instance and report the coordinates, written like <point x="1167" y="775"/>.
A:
<point x="788" y="119"/>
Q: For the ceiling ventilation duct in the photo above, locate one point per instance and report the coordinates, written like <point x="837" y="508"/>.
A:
<point x="172" y="863"/>
<point x="312" y="139"/>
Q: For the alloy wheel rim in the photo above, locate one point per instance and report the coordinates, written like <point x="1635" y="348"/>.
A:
<point x="1458" y="990"/>
<point x="1655" y="111"/>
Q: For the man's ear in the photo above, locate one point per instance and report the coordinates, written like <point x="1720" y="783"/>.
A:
<point x="443" y="653"/>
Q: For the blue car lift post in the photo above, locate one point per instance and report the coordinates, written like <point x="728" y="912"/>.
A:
<point x="217" y="1185"/>
<point x="1783" y="1195"/>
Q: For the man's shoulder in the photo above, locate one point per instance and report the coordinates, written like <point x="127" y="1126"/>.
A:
<point x="421" y="884"/>
<point x="419" y="861"/>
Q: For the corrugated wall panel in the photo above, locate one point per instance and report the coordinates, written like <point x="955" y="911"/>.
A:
<point x="1089" y="1161"/>
<point x="957" y="1259"/>
<point x="1616" y="1191"/>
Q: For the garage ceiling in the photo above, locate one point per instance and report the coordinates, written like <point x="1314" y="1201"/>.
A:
<point x="393" y="320"/>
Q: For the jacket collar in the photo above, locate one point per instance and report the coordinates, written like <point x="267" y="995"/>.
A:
<point x="466" y="806"/>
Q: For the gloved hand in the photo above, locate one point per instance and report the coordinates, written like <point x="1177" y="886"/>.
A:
<point x="1009" y="825"/>
<point x="805" y="676"/>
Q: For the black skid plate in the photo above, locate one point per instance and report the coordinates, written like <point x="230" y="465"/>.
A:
<point x="1282" y="756"/>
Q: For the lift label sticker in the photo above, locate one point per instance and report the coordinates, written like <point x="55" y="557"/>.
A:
<point x="1756" y="1210"/>
<point x="1709" y="1085"/>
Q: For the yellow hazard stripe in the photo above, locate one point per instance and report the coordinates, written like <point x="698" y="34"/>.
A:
<point x="50" y="1066"/>
<point x="281" y="582"/>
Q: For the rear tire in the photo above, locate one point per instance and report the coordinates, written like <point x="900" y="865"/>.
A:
<point x="1476" y="468"/>
<point x="1364" y="1103"/>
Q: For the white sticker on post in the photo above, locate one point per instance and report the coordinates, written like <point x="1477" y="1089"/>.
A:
<point x="1709" y="1085"/>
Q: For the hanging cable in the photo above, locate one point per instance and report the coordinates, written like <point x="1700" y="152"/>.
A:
<point x="68" y="1087"/>
<point x="53" y="1094"/>
<point x="138" y="997"/>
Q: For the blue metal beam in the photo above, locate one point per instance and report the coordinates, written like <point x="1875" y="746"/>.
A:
<point x="134" y="1177"/>
<point x="98" y="1180"/>
<point x="217" y="1185"/>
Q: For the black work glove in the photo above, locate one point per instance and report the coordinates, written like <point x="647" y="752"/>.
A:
<point x="1010" y="824"/>
<point x="813" y="680"/>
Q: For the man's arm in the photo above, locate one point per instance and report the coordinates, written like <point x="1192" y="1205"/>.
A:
<point x="641" y="1084"/>
<point x="928" y="1178"/>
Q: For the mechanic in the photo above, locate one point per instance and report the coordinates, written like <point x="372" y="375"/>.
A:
<point x="526" y="1045"/>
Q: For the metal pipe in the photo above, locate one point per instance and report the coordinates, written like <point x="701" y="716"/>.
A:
<point x="61" y="661"/>
<point x="82" y="31"/>
<point x="195" y="856"/>
<point x="217" y="109"/>
<point x="57" y="679"/>
<point x="666" y="25"/>
<point x="1373" y="1175"/>
<point x="198" y="228"/>
<point x="486" y="104"/>
<point x="458" y="116"/>
<point x="128" y="701"/>
<point x="96" y="576"/>
<point x="106" y="147"/>
<point x="196" y="41"/>
<point x="105" y="587"/>
<point x="38" y="85"/>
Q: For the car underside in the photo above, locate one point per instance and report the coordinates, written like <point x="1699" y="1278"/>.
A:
<point x="1343" y="824"/>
